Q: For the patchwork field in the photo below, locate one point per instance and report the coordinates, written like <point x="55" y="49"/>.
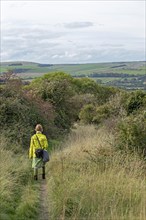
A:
<point x="129" y="75"/>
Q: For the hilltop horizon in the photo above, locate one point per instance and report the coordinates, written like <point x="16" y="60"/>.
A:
<point x="71" y="63"/>
<point x="130" y="75"/>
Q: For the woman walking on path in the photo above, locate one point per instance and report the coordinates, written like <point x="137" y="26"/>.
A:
<point x="38" y="141"/>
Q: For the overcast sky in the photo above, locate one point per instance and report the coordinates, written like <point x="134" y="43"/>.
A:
<point x="73" y="31"/>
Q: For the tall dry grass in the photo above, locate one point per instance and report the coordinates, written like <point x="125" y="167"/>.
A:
<point x="18" y="195"/>
<point x="89" y="179"/>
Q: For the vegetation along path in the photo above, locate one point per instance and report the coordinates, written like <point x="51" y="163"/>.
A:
<point x="97" y="171"/>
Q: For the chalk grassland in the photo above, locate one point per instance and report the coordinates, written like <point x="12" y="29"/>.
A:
<point x="19" y="196"/>
<point x="75" y="69"/>
<point x="90" y="179"/>
<point x="127" y="75"/>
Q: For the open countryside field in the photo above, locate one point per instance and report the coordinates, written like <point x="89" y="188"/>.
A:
<point x="129" y="75"/>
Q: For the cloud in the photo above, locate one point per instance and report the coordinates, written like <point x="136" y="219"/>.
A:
<point x="48" y="43"/>
<point x="46" y="53"/>
<point x="72" y="31"/>
<point x="111" y="45"/>
<point x="82" y="24"/>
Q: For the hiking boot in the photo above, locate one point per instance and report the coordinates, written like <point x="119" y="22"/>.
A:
<point x="35" y="177"/>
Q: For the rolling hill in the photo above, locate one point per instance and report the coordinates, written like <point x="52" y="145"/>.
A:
<point x="129" y="75"/>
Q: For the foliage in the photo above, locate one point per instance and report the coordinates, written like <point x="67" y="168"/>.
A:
<point x="19" y="115"/>
<point x="69" y="95"/>
<point x="102" y="112"/>
<point x="57" y="100"/>
<point x="86" y="85"/>
<point x="19" y="196"/>
<point x="135" y="101"/>
<point x="89" y="86"/>
<point x="83" y="180"/>
<point x="56" y="88"/>
<point x="131" y="133"/>
<point x="114" y="107"/>
<point x="95" y="113"/>
<point x="90" y="180"/>
<point x="87" y="113"/>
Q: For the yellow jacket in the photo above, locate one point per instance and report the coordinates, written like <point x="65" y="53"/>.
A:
<point x="34" y="143"/>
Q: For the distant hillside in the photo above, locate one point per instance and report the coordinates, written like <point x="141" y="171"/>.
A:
<point x="129" y="75"/>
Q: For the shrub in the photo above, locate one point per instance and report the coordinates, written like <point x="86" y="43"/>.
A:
<point x="135" y="101"/>
<point x="102" y="113"/>
<point x="111" y="109"/>
<point x="69" y="96"/>
<point x="56" y="88"/>
<point x="131" y="132"/>
<point x="18" y="119"/>
<point x="87" y="113"/>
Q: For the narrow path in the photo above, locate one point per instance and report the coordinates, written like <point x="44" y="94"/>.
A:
<point x="44" y="213"/>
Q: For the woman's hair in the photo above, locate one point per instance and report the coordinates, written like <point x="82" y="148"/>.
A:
<point x="39" y="128"/>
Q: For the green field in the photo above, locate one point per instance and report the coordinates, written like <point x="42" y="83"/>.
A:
<point x="104" y="73"/>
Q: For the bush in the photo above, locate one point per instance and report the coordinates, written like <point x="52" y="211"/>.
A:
<point x="102" y="113"/>
<point x="18" y="118"/>
<point x="89" y="86"/>
<point x="135" y="101"/>
<point x="87" y="113"/>
<point x="131" y="133"/>
<point x="113" y="108"/>
<point x="69" y="96"/>
<point x="56" y="88"/>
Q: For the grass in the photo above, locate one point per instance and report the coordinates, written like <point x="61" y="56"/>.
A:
<point x="90" y="179"/>
<point x="19" y="195"/>
<point x="78" y="69"/>
<point x="131" y="68"/>
<point x="106" y="79"/>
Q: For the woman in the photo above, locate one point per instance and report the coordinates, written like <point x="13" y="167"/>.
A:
<point x="38" y="141"/>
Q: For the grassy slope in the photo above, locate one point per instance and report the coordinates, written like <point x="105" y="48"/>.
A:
<point x="77" y="69"/>
<point x="19" y="195"/>
<point x="88" y="179"/>
<point x="135" y="69"/>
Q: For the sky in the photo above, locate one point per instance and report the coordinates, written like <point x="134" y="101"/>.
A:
<point x="59" y="32"/>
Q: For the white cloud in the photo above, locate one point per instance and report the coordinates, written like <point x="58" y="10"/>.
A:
<point x="72" y="31"/>
<point x="76" y="24"/>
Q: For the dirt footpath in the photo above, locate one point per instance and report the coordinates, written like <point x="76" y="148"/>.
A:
<point x="44" y="213"/>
